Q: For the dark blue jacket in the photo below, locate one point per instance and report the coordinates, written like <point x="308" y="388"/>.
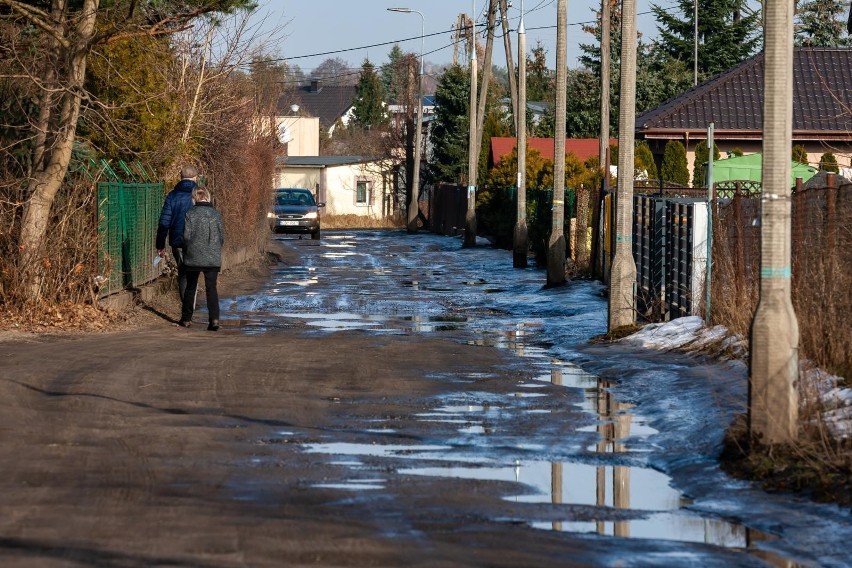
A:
<point x="177" y="203"/>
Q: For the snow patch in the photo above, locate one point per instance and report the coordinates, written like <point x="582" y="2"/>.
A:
<point x="689" y="334"/>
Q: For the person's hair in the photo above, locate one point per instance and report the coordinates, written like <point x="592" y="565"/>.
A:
<point x="200" y="194"/>
<point x="188" y="172"/>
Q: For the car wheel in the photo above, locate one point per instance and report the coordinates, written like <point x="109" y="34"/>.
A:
<point x="315" y="235"/>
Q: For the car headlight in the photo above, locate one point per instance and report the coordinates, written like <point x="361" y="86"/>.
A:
<point x="271" y="215"/>
<point x="311" y="215"/>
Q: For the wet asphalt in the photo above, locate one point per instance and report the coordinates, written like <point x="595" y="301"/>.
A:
<point x="612" y="447"/>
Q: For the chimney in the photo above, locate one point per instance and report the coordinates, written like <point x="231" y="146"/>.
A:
<point x="315" y="86"/>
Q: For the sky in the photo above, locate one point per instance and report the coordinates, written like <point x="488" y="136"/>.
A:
<point x="308" y="29"/>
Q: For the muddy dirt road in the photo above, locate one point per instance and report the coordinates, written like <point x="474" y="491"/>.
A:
<point x="381" y="400"/>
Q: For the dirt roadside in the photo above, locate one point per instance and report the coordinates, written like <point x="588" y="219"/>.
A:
<point x="154" y="445"/>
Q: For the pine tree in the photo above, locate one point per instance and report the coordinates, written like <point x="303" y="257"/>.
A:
<point x="728" y="33"/>
<point x="800" y="154"/>
<point x="540" y="82"/>
<point x="368" y="110"/>
<point x="449" y="132"/>
<point x="674" y="168"/>
<point x="819" y="23"/>
<point x="391" y="72"/>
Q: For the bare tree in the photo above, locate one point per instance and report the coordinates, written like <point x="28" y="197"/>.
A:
<point x="66" y="33"/>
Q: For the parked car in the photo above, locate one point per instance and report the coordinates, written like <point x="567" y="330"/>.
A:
<point x="294" y="210"/>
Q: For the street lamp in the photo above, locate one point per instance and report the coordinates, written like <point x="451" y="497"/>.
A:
<point x="414" y="206"/>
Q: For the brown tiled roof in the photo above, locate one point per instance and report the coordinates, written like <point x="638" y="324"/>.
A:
<point x="733" y="100"/>
<point x="326" y="102"/>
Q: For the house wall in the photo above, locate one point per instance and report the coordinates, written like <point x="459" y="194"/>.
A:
<point x="341" y="190"/>
<point x="337" y="186"/>
<point x="304" y="134"/>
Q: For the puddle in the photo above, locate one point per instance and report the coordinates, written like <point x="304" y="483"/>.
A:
<point x="354" y="485"/>
<point x="375" y="450"/>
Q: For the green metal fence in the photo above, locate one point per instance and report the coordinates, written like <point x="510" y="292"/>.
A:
<point x="127" y="224"/>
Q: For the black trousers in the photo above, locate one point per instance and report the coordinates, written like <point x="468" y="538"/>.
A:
<point x="181" y="271"/>
<point x="188" y="304"/>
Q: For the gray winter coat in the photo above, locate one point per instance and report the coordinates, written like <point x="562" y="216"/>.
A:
<point x="203" y="236"/>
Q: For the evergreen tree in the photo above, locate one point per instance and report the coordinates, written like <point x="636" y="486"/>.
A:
<point x="820" y="24"/>
<point x="659" y="76"/>
<point x="674" y="168"/>
<point x="800" y="154"/>
<point x="368" y="109"/>
<point x="828" y="163"/>
<point x="449" y="133"/>
<point x="728" y="33"/>
<point x="391" y="73"/>
<point x="540" y="82"/>
<point x="702" y="156"/>
<point x="643" y="159"/>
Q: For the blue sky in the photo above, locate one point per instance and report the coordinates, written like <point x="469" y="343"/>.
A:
<point x="308" y="27"/>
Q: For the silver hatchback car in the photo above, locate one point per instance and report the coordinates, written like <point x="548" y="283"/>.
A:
<point x="294" y="210"/>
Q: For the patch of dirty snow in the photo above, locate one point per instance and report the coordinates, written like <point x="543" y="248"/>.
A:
<point x="690" y="335"/>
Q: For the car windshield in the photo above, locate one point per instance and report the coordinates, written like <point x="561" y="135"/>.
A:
<point x="294" y="197"/>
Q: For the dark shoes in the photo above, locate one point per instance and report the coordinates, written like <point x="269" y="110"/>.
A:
<point x="214" y="325"/>
<point x="185" y="323"/>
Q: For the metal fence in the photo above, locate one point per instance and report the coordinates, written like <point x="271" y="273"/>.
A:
<point x="128" y="214"/>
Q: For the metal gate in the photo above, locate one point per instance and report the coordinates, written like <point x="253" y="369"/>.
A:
<point x="670" y="252"/>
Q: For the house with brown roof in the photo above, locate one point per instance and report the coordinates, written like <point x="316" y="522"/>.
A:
<point x="733" y="102"/>
<point x="329" y="103"/>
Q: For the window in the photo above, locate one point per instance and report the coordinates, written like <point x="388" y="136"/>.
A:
<point x="361" y="189"/>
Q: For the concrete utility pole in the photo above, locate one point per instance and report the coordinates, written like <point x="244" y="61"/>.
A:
<point x="556" y="245"/>
<point x="623" y="275"/>
<point x="486" y="74"/>
<point x="603" y="143"/>
<point x="520" y="241"/>
<point x="414" y="204"/>
<point x="472" y="161"/>
<point x="774" y="369"/>
<point x="510" y="63"/>
<point x="695" y="45"/>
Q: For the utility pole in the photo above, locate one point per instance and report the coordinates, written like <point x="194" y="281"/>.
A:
<point x="695" y="45"/>
<point x="623" y="273"/>
<point x="556" y="245"/>
<point x="520" y="240"/>
<point x="510" y="64"/>
<point x="486" y="75"/>
<point x="472" y="161"/>
<point x="774" y="368"/>
<point x="603" y="143"/>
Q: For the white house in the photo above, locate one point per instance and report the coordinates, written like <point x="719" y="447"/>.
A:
<point x="348" y="185"/>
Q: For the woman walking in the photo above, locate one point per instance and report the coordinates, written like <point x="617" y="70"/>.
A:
<point x="203" y="236"/>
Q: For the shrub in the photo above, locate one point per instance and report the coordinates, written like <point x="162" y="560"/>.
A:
<point x="674" y="167"/>
<point x="828" y="163"/>
<point x="702" y="156"/>
<point x="800" y="154"/>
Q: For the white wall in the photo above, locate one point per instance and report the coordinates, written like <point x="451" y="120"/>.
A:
<point x="340" y="187"/>
<point x="303" y="132"/>
<point x="340" y="191"/>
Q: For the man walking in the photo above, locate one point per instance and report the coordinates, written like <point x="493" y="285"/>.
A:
<point x="203" y="236"/>
<point x="177" y="203"/>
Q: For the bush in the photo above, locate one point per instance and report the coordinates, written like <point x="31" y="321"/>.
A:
<point x="702" y="156"/>
<point x="644" y="160"/>
<point x="828" y="163"/>
<point x="674" y="167"/>
<point x="800" y="154"/>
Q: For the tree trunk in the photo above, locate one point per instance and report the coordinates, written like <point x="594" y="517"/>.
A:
<point x="53" y="154"/>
